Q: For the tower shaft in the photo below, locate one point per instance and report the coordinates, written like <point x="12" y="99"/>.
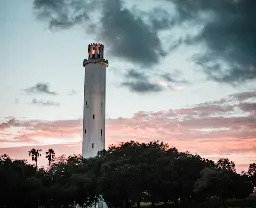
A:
<point x="94" y="101"/>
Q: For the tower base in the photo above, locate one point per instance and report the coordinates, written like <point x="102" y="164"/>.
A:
<point x="100" y="204"/>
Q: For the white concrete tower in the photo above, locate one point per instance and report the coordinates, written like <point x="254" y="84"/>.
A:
<point x="94" y="101"/>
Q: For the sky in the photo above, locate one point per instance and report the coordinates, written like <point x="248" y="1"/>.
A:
<point x="182" y="72"/>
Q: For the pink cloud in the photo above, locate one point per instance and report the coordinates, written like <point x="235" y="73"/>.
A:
<point x="221" y="127"/>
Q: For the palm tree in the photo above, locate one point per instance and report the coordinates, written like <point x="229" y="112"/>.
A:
<point x="34" y="154"/>
<point x="50" y="155"/>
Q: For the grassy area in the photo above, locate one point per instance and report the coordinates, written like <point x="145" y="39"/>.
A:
<point x="249" y="202"/>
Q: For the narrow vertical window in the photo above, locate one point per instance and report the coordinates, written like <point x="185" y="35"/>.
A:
<point x="85" y="131"/>
<point x="86" y="102"/>
<point x="93" y="116"/>
<point x="101" y="132"/>
<point x="92" y="145"/>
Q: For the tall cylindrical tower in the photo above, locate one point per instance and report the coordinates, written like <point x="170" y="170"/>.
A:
<point x="94" y="101"/>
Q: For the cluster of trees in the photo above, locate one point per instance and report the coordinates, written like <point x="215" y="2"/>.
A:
<point x="123" y="176"/>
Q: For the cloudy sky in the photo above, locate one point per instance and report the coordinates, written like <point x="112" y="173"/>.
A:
<point x="182" y="72"/>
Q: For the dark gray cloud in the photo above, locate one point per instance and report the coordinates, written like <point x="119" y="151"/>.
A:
<point x="172" y="78"/>
<point x="241" y="96"/>
<point x="205" y="110"/>
<point x="64" y="13"/>
<point x="248" y="107"/>
<point x="130" y="37"/>
<point x="160" y="19"/>
<point x="44" y="103"/>
<point x="229" y="35"/>
<point x="41" y="88"/>
<point x="139" y="82"/>
<point x="234" y="103"/>
<point x="127" y="36"/>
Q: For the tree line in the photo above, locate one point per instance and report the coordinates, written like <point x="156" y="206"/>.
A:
<point x="124" y="176"/>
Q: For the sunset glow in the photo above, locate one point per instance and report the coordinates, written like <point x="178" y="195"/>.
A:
<point x="188" y="82"/>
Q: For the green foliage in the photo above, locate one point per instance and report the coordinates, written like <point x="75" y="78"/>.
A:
<point x="124" y="175"/>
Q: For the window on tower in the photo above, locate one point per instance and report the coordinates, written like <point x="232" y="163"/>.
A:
<point x="92" y="145"/>
<point x="93" y="116"/>
<point x="101" y="132"/>
<point x="85" y="131"/>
